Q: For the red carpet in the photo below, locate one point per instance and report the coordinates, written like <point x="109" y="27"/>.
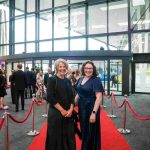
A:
<point x="111" y="138"/>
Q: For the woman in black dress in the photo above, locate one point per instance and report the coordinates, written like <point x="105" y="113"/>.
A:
<point x="2" y="89"/>
<point x="60" y="129"/>
<point x="89" y="89"/>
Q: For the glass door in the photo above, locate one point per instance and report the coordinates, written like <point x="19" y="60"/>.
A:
<point x="116" y="76"/>
<point x="142" y="77"/>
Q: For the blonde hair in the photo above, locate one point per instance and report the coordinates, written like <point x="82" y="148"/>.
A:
<point x="58" y="61"/>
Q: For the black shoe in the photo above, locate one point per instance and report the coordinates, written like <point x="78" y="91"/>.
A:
<point x="22" y="108"/>
<point x="17" y="110"/>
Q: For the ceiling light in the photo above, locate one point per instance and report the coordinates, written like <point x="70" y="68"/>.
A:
<point x="98" y="26"/>
<point x="138" y="2"/>
<point x="114" y="7"/>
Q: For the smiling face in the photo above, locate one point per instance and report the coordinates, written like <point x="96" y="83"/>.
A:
<point x="88" y="70"/>
<point x="61" y="69"/>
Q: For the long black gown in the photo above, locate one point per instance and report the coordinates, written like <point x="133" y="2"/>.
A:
<point x="60" y="130"/>
<point x="91" y="138"/>
<point x="2" y="86"/>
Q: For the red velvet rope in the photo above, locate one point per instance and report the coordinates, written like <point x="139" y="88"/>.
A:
<point x="136" y="115"/>
<point x="1" y="122"/>
<point x="117" y="105"/>
<point x="21" y="121"/>
<point x="39" y="103"/>
<point x="108" y="97"/>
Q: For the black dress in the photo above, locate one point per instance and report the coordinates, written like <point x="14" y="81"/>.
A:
<point x="60" y="130"/>
<point x="2" y="86"/>
<point x="91" y="139"/>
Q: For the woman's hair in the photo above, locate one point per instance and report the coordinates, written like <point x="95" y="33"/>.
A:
<point x="94" y="68"/>
<point x="58" y="61"/>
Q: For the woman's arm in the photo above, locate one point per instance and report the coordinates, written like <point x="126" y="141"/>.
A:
<point x="76" y="99"/>
<point x="96" y="107"/>
<point x="61" y="109"/>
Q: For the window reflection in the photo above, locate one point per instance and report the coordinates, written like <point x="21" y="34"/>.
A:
<point x="45" y="46"/>
<point x="31" y="28"/>
<point x="45" y="27"/>
<point x="97" y="43"/>
<point x="61" y="24"/>
<point x="19" y="26"/>
<point x="140" y="43"/>
<point x="119" y="42"/>
<point x="19" y="7"/>
<point x="19" y="48"/>
<point x="45" y="4"/>
<point x="60" y="45"/>
<point x="140" y="14"/>
<point x="142" y="79"/>
<point x="30" y="47"/>
<point x="118" y="12"/>
<point x="77" y="21"/>
<point x="97" y="19"/>
<point x="77" y="44"/>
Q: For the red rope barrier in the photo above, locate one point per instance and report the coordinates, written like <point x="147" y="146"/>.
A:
<point x="136" y="115"/>
<point x="21" y="121"/>
<point x="108" y="97"/>
<point x="39" y="103"/>
<point x="1" y="122"/>
<point x="117" y="105"/>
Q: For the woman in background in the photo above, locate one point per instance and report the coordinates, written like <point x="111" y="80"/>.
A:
<point x="2" y="89"/>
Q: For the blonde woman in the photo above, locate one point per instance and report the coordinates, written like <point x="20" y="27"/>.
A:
<point x="60" y="129"/>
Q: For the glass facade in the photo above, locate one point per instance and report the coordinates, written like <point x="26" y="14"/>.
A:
<point x="36" y="20"/>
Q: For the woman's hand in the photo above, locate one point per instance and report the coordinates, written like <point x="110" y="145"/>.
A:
<point x="69" y="112"/>
<point x="63" y="112"/>
<point x="92" y="118"/>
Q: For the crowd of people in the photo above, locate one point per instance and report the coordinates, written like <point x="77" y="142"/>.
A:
<point x="64" y="90"/>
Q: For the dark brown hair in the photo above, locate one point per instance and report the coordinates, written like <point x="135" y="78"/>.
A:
<point x="94" y="68"/>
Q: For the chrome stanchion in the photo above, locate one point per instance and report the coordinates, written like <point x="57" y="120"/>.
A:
<point x="112" y="111"/>
<point x="46" y="111"/>
<point x="102" y="105"/>
<point x="6" y="128"/>
<point x="124" y="130"/>
<point x="33" y="132"/>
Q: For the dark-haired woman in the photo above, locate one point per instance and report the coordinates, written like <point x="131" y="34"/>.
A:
<point x="89" y="89"/>
<point x="2" y="89"/>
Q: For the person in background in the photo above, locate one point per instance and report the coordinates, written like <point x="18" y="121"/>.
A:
<point x="20" y="82"/>
<point x="60" y="129"/>
<point x="89" y="96"/>
<point x="40" y="86"/>
<point x="2" y="89"/>
<point x="77" y="74"/>
<point x="33" y="80"/>
<point x="12" y="87"/>
<point x="47" y="75"/>
<point x="28" y="90"/>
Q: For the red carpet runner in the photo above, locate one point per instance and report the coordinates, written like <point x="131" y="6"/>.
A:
<point x="111" y="138"/>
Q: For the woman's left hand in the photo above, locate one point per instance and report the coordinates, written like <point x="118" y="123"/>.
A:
<point x="92" y="118"/>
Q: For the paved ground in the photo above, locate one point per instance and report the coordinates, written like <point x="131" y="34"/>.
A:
<point x="139" y="139"/>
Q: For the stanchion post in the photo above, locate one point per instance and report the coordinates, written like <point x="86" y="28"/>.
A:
<point x="124" y="130"/>
<point x="111" y="115"/>
<point x="46" y="111"/>
<point x="102" y="105"/>
<point x="6" y="128"/>
<point x="33" y="132"/>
